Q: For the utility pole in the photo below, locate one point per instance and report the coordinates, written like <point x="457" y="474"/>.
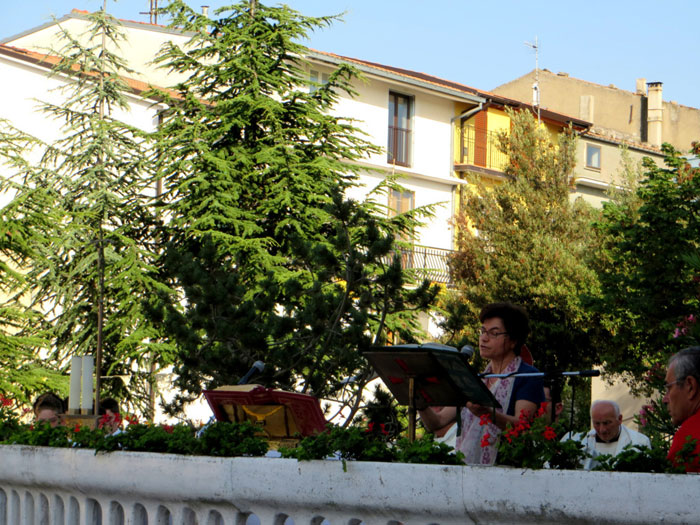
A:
<point x="536" y="85"/>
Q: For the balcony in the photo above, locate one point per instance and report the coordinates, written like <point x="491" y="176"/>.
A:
<point x="479" y="148"/>
<point x="427" y="263"/>
<point x="74" y="487"/>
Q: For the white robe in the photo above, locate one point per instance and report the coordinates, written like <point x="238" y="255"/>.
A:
<point x="627" y="437"/>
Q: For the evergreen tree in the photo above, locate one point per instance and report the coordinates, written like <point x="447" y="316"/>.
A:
<point x="650" y="276"/>
<point x="23" y="373"/>
<point x="270" y="260"/>
<point x="86" y="209"/>
<point x="524" y="241"/>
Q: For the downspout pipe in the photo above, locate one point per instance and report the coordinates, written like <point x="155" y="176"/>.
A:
<point x="464" y="115"/>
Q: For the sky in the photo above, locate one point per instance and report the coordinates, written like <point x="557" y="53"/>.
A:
<point x="480" y="44"/>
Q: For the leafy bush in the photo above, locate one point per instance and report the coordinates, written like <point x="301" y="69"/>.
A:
<point x="534" y="443"/>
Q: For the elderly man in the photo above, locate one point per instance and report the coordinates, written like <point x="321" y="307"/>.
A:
<point x="609" y="435"/>
<point x="683" y="400"/>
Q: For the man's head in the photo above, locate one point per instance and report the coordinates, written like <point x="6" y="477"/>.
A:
<point x="48" y="408"/>
<point x="606" y="419"/>
<point x="682" y="394"/>
<point x="552" y="396"/>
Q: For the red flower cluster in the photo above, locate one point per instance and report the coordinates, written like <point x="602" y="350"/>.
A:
<point x="382" y="428"/>
<point x="4" y="401"/>
<point x="485" y="440"/>
<point x="549" y="433"/>
<point x="484" y="419"/>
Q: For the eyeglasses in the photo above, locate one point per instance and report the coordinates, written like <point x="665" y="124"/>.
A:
<point x="669" y="385"/>
<point x="491" y="333"/>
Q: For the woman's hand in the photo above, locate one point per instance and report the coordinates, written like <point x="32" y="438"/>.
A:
<point x="478" y="410"/>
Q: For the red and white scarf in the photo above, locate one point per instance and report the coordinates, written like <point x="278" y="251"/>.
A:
<point x="473" y="434"/>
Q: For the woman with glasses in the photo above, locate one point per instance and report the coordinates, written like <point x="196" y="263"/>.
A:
<point x="504" y="328"/>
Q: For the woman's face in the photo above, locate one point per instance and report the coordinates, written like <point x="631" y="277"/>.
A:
<point x="494" y="342"/>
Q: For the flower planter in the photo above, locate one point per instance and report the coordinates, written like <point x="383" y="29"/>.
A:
<point x="49" y="485"/>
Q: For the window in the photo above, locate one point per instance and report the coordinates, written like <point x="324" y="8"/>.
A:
<point x="399" y="147"/>
<point x="592" y="156"/>
<point x="317" y="78"/>
<point x="401" y="201"/>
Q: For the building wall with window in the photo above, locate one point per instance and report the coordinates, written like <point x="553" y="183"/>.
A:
<point x="413" y="126"/>
<point x="600" y="166"/>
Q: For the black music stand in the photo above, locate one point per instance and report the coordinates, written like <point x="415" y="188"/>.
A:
<point x="426" y="375"/>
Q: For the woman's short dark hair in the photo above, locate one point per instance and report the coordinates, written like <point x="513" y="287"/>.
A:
<point x="515" y="321"/>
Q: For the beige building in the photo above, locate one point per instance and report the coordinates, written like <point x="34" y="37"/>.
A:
<point x="639" y="116"/>
<point x="636" y="121"/>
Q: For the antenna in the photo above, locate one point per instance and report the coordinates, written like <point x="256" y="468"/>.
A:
<point x="152" y="12"/>
<point x="536" y="85"/>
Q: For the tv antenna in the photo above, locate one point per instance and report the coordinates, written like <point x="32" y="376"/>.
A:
<point x="152" y="12"/>
<point x="536" y="85"/>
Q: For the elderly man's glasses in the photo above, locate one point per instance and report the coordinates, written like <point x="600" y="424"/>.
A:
<point x="490" y="333"/>
<point x="669" y="385"/>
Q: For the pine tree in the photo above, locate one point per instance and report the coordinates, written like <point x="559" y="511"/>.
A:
<point x="271" y="261"/>
<point x="87" y="210"/>
<point x="524" y="241"/>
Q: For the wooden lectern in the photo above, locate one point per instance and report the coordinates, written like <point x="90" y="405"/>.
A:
<point x="281" y="416"/>
<point x="426" y="375"/>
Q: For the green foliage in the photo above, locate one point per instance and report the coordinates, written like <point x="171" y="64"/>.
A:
<point x="638" y="459"/>
<point x="270" y="261"/>
<point x="427" y="450"/>
<point x="88" y="243"/>
<point x="41" y="435"/>
<point x="232" y="439"/>
<point x="534" y="443"/>
<point x="9" y="422"/>
<point x="524" y="241"/>
<point x="649" y="282"/>
<point x="382" y="415"/>
<point x="362" y="444"/>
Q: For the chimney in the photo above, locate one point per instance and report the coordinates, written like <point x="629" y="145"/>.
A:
<point x="655" y="113"/>
<point x="641" y="86"/>
<point x="205" y="10"/>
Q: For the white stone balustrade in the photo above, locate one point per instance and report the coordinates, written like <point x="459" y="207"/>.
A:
<point x="45" y="486"/>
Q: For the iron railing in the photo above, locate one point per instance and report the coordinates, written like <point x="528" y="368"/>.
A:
<point x="427" y="263"/>
<point x="480" y="148"/>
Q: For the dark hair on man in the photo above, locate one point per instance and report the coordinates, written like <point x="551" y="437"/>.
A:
<point x="515" y="320"/>
<point x="555" y="389"/>
<point x="686" y="363"/>
<point x="109" y="403"/>
<point x="51" y="401"/>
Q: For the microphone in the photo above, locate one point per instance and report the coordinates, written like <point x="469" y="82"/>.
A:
<point x="467" y="349"/>
<point x="256" y="369"/>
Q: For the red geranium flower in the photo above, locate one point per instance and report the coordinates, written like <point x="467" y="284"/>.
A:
<point x="549" y="433"/>
<point x="485" y="441"/>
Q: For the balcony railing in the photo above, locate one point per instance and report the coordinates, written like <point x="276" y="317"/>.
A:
<point x="480" y="148"/>
<point x="427" y="263"/>
<point x="399" y="148"/>
<point x="74" y="487"/>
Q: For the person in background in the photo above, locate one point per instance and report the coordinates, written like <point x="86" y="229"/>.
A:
<point x="111" y="419"/>
<point x="609" y="435"/>
<point x="448" y="433"/>
<point x="552" y="396"/>
<point x="49" y="408"/>
<point x="682" y="397"/>
<point x="504" y="328"/>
